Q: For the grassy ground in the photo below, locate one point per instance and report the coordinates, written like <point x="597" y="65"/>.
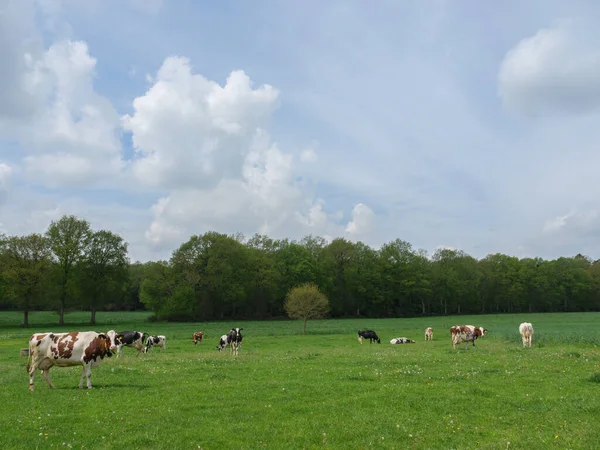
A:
<point x="322" y="390"/>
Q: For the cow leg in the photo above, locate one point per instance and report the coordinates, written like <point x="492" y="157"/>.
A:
<point x="46" y="373"/>
<point x="82" y="377"/>
<point x="32" y="371"/>
<point x="87" y="373"/>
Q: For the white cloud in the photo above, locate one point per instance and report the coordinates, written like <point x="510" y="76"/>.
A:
<point x="362" y="221"/>
<point x="5" y="179"/>
<point x="554" y="71"/>
<point x="308" y="156"/>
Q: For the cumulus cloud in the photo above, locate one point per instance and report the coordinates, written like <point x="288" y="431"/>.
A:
<point x="362" y="220"/>
<point x="554" y="71"/>
<point x="5" y="178"/>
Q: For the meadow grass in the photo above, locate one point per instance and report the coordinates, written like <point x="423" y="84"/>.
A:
<point x="322" y="390"/>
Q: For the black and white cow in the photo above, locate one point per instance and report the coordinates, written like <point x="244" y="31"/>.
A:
<point x="402" y="340"/>
<point x="133" y="339"/>
<point x="222" y="342"/>
<point x="156" y="341"/>
<point x="368" y="334"/>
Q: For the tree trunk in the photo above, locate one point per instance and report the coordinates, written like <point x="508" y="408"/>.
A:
<point x="304" y="327"/>
<point x="25" y="319"/>
<point x="63" y="297"/>
<point x="93" y="319"/>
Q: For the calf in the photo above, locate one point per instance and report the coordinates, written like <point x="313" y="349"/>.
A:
<point x="368" y="334"/>
<point x="429" y="334"/>
<point x="198" y="336"/>
<point x="222" y="342"/>
<point x="466" y="333"/>
<point x="78" y="348"/>
<point x="133" y="339"/>
<point x="526" y="330"/>
<point x="402" y="340"/>
<point x="156" y="341"/>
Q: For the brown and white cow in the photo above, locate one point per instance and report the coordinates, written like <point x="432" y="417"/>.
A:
<point x="466" y="333"/>
<point x="78" y="348"/>
<point x="526" y="330"/>
<point x="429" y="334"/>
<point x="198" y="337"/>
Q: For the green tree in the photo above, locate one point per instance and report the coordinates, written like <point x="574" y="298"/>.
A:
<point x="68" y="238"/>
<point x="27" y="263"/>
<point x="306" y="302"/>
<point x="105" y="269"/>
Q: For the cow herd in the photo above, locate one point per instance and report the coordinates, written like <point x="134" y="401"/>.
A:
<point x="458" y="333"/>
<point x="88" y="348"/>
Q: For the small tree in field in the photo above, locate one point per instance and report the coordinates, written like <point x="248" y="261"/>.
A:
<point x="306" y="302"/>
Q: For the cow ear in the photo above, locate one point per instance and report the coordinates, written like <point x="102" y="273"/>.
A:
<point x="102" y="336"/>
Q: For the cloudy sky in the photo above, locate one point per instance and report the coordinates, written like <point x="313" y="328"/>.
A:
<point x="446" y="124"/>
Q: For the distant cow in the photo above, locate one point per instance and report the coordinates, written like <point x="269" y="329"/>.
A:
<point x="198" y="336"/>
<point x="526" y="330"/>
<point x="78" y="348"/>
<point x="368" y="334"/>
<point x="234" y="337"/>
<point x="402" y="340"/>
<point x="466" y="333"/>
<point x="133" y="339"/>
<point x="429" y="334"/>
<point x="222" y="342"/>
<point x="156" y="341"/>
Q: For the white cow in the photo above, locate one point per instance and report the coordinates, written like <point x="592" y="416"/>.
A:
<point x="156" y="341"/>
<point x="402" y="340"/>
<point x="429" y="334"/>
<point x="526" y="330"/>
<point x="85" y="348"/>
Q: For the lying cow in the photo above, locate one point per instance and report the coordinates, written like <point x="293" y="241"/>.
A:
<point x="466" y="333"/>
<point x="198" y="336"/>
<point x="78" y="348"/>
<point x="429" y="334"/>
<point x="156" y="341"/>
<point x="402" y="340"/>
<point x="133" y="339"/>
<point x="368" y="334"/>
<point x="526" y="330"/>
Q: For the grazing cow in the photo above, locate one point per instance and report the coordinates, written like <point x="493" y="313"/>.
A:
<point x="234" y="338"/>
<point x="198" y="336"/>
<point x="429" y="334"/>
<point x="156" y="341"/>
<point x="526" y="330"/>
<point x="466" y="333"/>
<point x="402" y="340"/>
<point x="133" y="339"/>
<point x="78" y="348"/>
<point x="222" y="342"/>
<point x="368" y="334"/>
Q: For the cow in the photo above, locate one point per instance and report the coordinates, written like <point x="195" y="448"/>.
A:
<point x="466" y="333"/>
<point x="368" y="334"/>
<point x="198" y="336"/>
<point x="78" y="348"/>
<point x="402" y="340"/>
<point x="429" y="334"/>
<point x="234" y="338"/>
<point x="133" y="339"/>
<point x="222" y="342"/>
<point x="158" y="341"/>
<point x="526" y="330"/>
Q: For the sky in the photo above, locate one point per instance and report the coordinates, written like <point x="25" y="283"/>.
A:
<point x="446" y="124"/>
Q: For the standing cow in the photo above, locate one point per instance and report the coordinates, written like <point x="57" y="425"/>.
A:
<point x="222" y="342"/>
<point x="156" y="341"/>
<point x="133" y="339"/>
<point x="429" y="334"/>
<point x="198" y="336"/>
<point x="526" y="330"/>
<point x="466" y="333"/>
<point x="78" y="348"/>
<point x="368" y="334"/>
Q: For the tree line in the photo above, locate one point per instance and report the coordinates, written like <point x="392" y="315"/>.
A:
<point x="216" y="277"/>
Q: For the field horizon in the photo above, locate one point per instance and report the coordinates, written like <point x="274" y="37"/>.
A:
<point x="321" y="390"/>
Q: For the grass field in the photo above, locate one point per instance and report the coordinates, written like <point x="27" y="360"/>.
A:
<point x="322" y="390"/>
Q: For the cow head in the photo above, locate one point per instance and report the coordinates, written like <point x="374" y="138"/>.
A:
<point x="113" y="340"/>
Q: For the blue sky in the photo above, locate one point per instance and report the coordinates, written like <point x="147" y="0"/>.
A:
<point x="441" y="123"/>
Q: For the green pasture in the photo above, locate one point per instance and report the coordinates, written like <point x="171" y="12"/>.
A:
<point x="322" y="390"/>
